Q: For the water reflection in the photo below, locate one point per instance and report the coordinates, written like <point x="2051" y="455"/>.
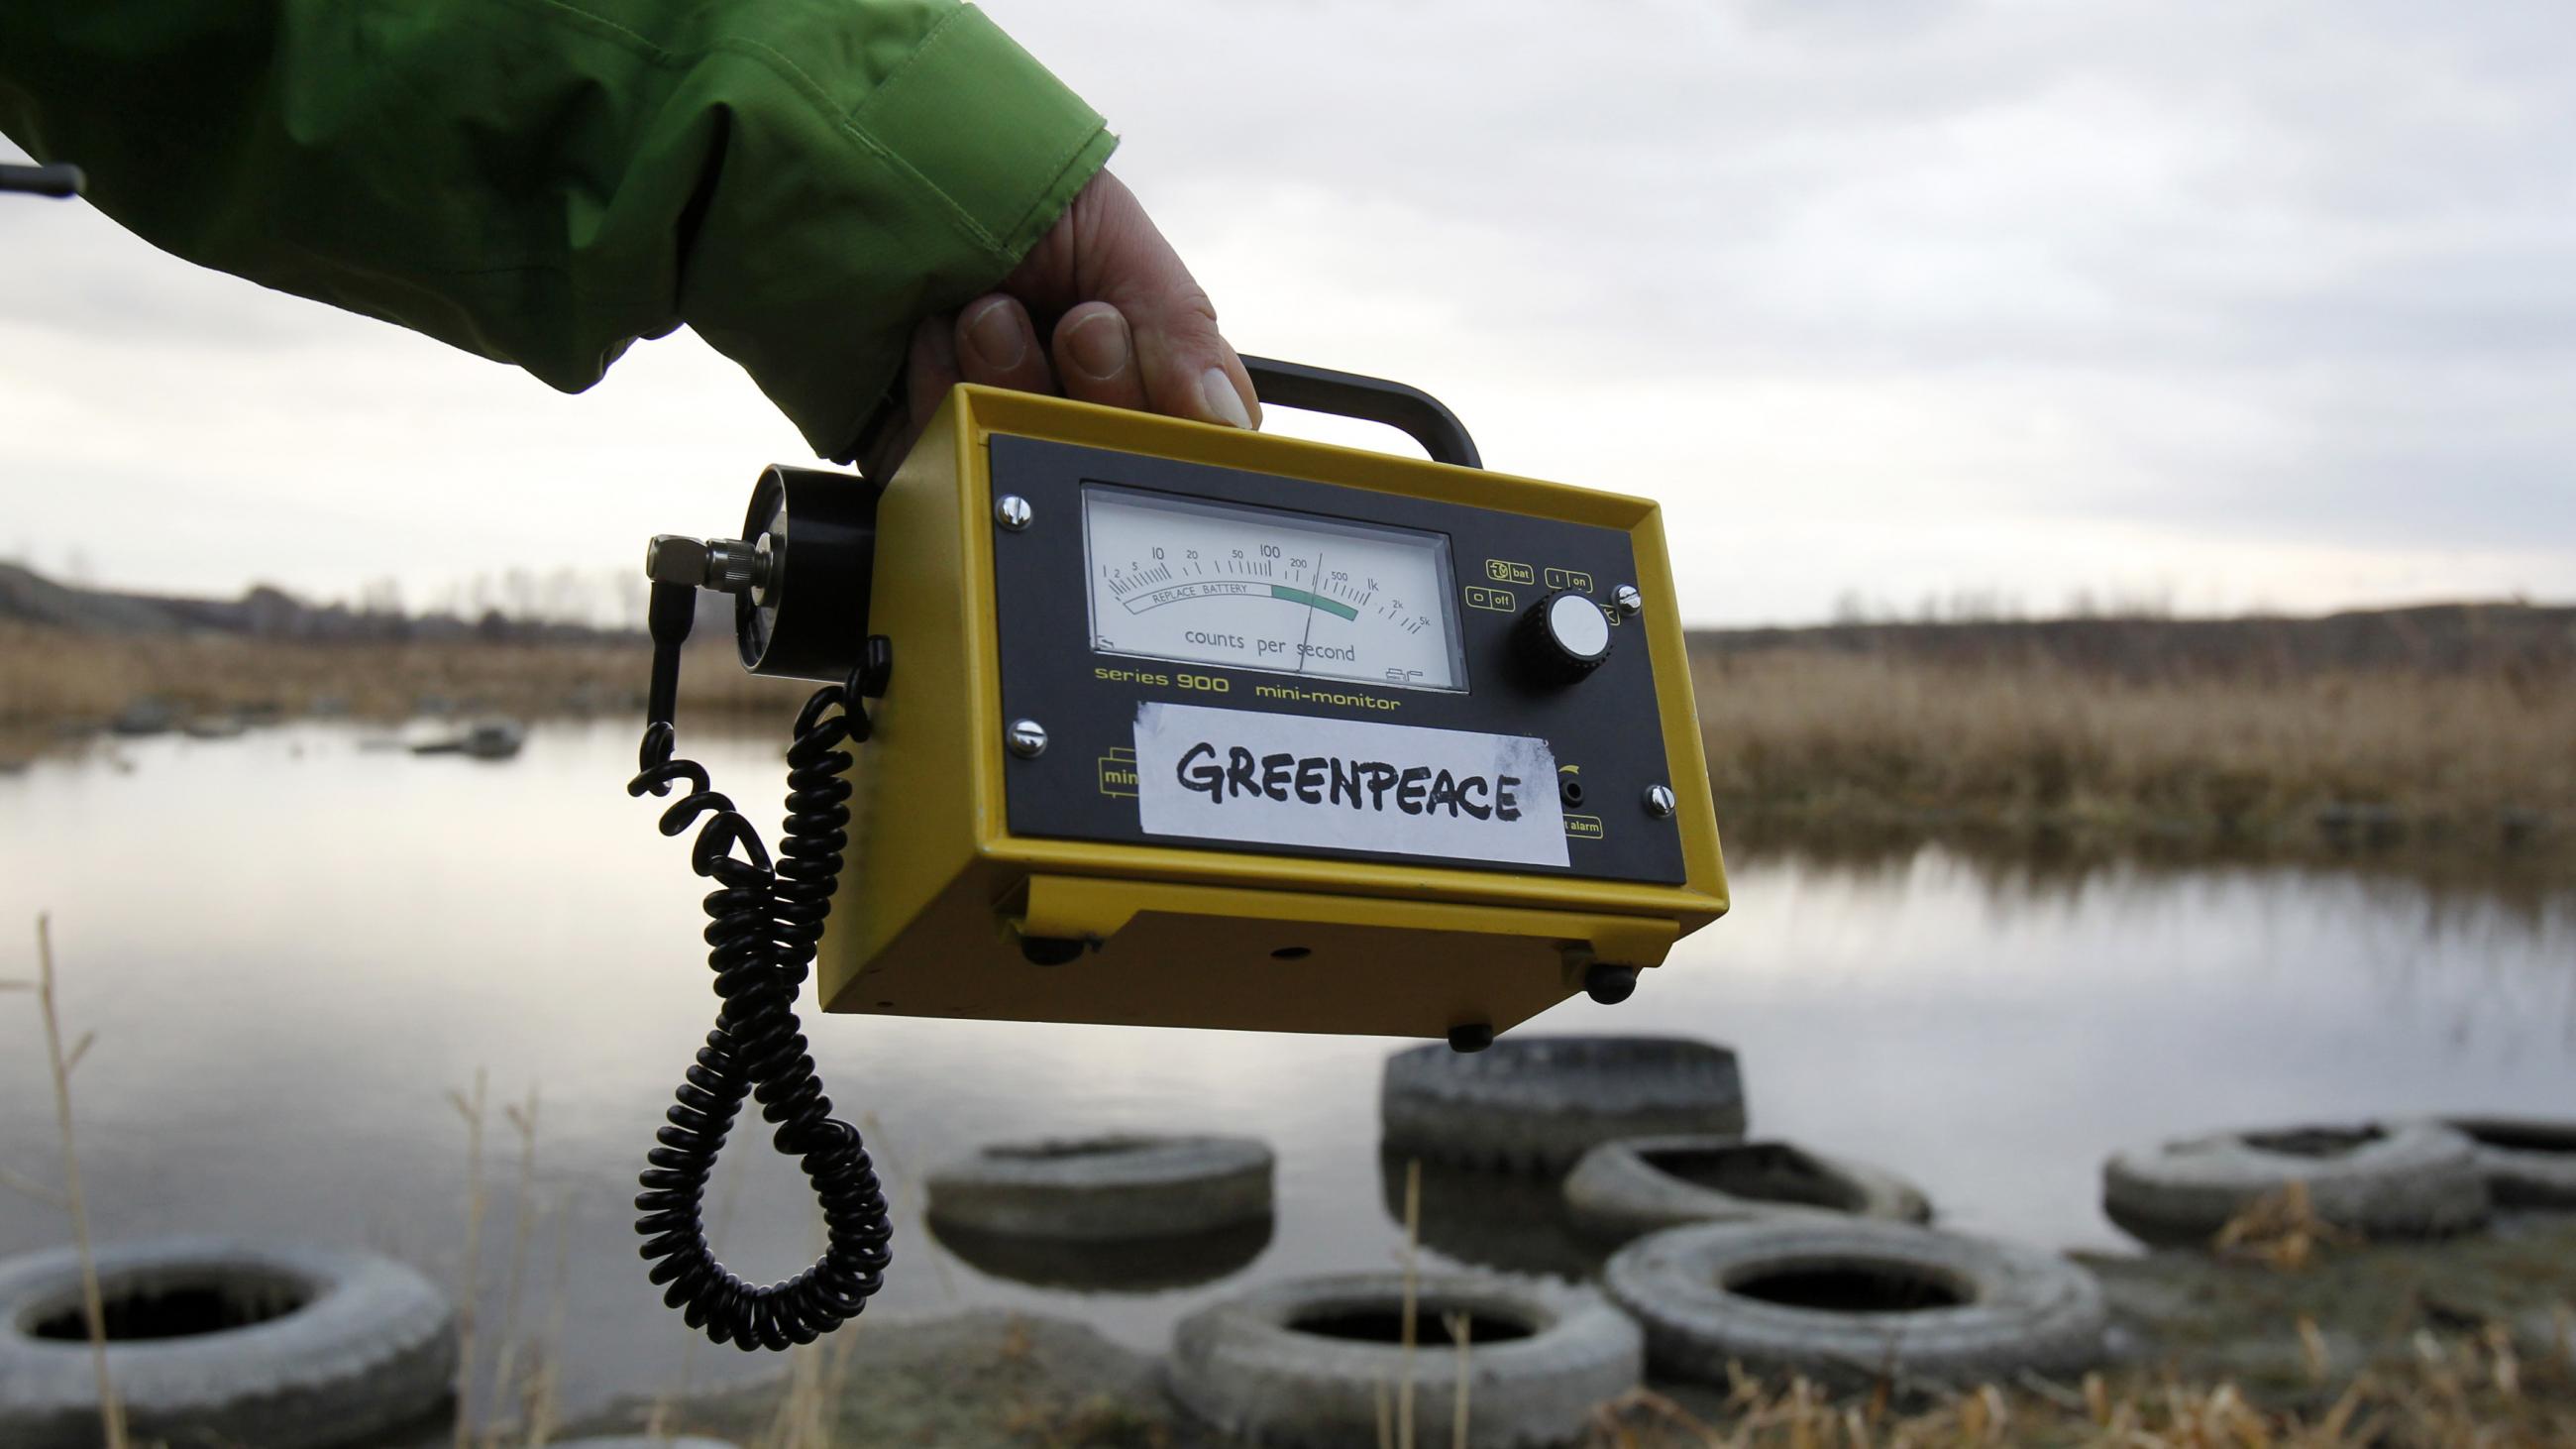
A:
<point x="1135" y="1265"/>
<point x="1502" y="1221"/>
<point x="2527" y="892"/>
<point x="291" y="948"/>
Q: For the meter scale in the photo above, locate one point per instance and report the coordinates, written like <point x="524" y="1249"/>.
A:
<point x="1200" y="581"/>
<point x="1137" y="603"/>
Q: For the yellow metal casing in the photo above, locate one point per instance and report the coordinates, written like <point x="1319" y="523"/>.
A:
<point x="937" y="891"/>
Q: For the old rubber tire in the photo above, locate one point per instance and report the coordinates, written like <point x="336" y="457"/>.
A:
<point x="1303" y="1362"/>
<point x="2405" y="1180"/>
<point x="1638" y="1185"/>
<point x="339" y="1347"/>
<point x="1854" y="1301"/>
<point x="1131" y="1265"/>
<point x="1535" y="1104"/>
<point x="2527" y="1163"/>
<point x="1105" y="1189"/>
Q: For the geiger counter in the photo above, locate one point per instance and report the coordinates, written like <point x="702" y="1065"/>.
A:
<point x="1162" y="723"/>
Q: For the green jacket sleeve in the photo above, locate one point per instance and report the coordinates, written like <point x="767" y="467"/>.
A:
<point x="543" y="182"/>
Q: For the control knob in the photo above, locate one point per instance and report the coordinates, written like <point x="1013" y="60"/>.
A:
<point x="1563" y="637"/>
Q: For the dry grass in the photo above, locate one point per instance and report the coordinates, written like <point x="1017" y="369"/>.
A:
<point x="2471" y="1390"/>
<point x="2474" y="1388"/>
<point x="51" y="677"/>
<point x="1801" y="741"/>
<point x="809" y="1411"/>
<point x="470" y="1266"/>
<point x="518" y="1375"/>
<point x="522" y="1404"/>
<point x="2282" y="1231"/>
<point x="1395" y="1403"/>
<point x="1813" y="736"/>
<point x="61" y="1063"/>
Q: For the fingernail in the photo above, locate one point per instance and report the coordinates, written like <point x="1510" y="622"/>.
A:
<point x="997" y="338"/>
<point x="1224" y="404"/>
<point x="1098" y="345"/>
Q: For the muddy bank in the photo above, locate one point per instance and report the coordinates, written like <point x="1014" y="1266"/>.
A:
<point x="2402" y="1318"/>
<point x="2205" y="1318"/>
<point x="2456" y="755"/>
<point x="1004" y="1380"/>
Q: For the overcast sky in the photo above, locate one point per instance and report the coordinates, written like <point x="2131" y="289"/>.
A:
<point x="2220" y="303"/>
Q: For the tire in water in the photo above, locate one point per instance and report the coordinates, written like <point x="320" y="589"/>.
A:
<point x="1854" y="1302"/>
<point x="1305" y="1362"/>
<point x="213" y="1341"/>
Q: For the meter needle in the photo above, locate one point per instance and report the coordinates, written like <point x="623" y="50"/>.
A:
<point x="1314" y="597"/>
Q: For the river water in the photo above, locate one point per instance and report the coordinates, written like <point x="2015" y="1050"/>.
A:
<point x="292" y="947"/>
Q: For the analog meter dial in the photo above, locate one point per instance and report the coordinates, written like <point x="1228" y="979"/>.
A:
<point x="1199" y="582"/>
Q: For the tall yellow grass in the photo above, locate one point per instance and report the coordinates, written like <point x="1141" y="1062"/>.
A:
<point x="1878" y="739"/>
<point x="1797" y="737"/>
<point x="52" y="677"/>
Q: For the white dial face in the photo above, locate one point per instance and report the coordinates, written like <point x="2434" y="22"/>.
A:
<point x="1256" y="588"/>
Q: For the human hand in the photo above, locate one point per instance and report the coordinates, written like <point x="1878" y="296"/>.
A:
<point x="1129" y="328"/>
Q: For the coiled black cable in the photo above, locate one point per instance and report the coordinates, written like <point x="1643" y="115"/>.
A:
<point x="762" y="928"/>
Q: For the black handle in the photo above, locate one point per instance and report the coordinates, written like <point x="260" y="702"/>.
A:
<point x="55" y="180"/>
<point x="1370" y="399"/>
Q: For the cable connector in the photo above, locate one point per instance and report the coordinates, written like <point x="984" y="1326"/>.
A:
<point x="672" y="608"/>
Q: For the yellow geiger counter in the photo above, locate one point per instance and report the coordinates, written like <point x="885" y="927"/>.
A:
<point x="1152" y="722"/>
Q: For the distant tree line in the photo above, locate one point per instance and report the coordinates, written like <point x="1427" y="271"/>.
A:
<point x="515" y="607"/>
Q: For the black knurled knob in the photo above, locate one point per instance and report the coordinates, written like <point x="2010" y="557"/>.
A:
<point x="1563" y="637"/>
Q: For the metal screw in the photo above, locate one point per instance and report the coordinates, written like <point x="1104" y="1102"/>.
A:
<point x="1660" y="802"/>
<point x="1628" y="601"/>
<point x="1026" y="737"/>
<point x="1013" y="512"/>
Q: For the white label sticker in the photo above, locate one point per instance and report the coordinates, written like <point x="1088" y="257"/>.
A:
<point x="1285" y="779"/>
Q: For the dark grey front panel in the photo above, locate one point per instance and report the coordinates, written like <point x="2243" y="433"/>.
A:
<point x="1603" y="729"/>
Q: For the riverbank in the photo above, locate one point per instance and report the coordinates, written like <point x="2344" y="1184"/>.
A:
<point x="2385" y="1344"/>
<point x="1817" y="745"/>
<point x="58" y="682"/>
<point x="2179" y="739"/>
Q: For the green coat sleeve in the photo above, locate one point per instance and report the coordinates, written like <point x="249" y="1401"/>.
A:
<point x="543" y="182"/>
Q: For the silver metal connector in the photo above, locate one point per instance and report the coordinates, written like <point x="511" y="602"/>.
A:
<point x="673" y="558"/>
<point x="726" y="564"/>
<point x="736" y="567"/>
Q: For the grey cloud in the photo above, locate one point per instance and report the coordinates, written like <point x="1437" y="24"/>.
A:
<point x="66" y="274"/>
<point x="2299" y="270"/>
<point x="2326" y="164"/>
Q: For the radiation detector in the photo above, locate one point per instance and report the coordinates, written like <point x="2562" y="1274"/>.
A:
<point x="1142" y="721"/>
